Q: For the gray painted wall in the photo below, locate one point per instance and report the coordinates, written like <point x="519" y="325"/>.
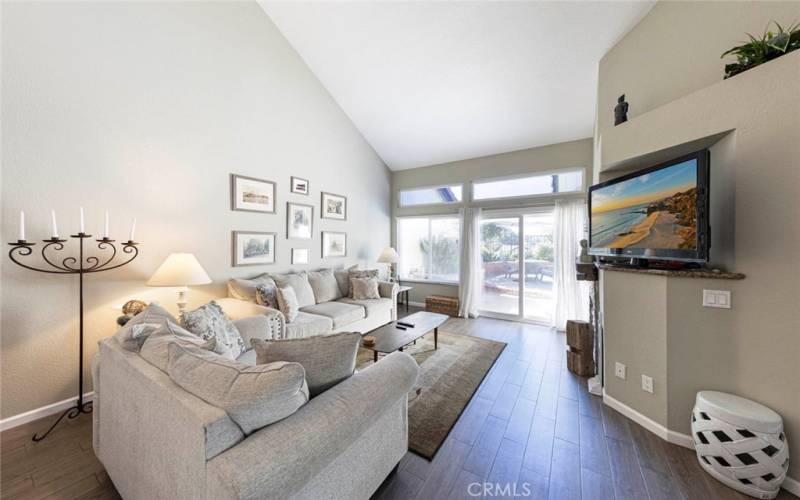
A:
<point x="145" y="109"/>
<point x="553" y="157"/>
<point x="751" y="349"/>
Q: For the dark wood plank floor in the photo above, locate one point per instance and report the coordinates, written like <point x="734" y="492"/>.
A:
<point x="531" y="424"/>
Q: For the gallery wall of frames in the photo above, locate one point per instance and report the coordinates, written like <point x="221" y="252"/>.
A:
<point x="254" y="247"/>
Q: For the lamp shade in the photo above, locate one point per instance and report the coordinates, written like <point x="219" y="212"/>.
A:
<point x="388" y="256"/>
<point x="180" y="269"/>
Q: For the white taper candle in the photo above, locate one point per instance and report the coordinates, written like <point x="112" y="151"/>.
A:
<point x="21" y="225"/>
<point x="105" y="229"/>
<point x="133" y="229"/>
<point x="80" y="229"/>
<point x="55" y="226"/>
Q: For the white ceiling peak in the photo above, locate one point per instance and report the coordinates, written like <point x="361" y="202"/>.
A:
<point x="434" y="82"/>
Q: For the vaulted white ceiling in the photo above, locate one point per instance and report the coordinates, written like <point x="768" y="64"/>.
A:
<point x="433" y="82"/>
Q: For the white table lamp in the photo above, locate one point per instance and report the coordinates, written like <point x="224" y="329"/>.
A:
<point x="180" y="270"/>
<point x="389" y="256"/>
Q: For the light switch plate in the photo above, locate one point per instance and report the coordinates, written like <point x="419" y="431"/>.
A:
<point x="619" y="370"/>
<point x="647" y="384"/>
<point x="717" y="298"/>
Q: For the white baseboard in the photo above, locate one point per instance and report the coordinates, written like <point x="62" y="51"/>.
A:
<point x="651" y="425"/>
<point x="44" y="411"/>
<point x="789" y="484"/>
<point x="415" y="304"/>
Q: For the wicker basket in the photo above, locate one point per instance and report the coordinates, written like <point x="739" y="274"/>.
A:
<point x="442" y="304"/>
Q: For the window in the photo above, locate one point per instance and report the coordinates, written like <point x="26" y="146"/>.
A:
<point x="430" y="195"/>
<point x="559" y="182"/>
<point x="428" y="248"/>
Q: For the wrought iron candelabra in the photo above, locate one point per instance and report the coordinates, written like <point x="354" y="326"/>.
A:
<point x="74" y="265"/>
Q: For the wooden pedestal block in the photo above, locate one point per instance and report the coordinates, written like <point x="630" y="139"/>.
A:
<point x="580" y="363"/>
<point x="580" y="336"/>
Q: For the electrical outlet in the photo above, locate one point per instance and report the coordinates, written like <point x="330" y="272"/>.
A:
<point x="619" y="370"/>
<point x="647" y="384"/>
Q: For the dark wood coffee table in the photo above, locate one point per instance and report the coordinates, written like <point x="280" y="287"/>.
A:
<point x="389" y="338"/>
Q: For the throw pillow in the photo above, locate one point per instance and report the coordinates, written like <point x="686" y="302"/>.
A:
<point x="364" y="288"/>
<point x="154" y="349"/>
<point x="324" y="285"/>
<point x="245" y="289"/>
<point x="253" y="396"/>
<point x="298" y="282"/>
<point x="362" y="273"/>
<point x="267" y="294"/>
<point x="287" y="301"/>
<point x="327" y="359"/>
<point x="343" y="278"/>
<point x="132" y="336"/>
<point x="208" y="321"/>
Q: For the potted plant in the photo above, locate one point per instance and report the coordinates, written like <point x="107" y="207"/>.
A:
<point x="760" y="50"/>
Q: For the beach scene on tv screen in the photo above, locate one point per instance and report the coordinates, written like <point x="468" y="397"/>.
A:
<point x="656" y="210"/>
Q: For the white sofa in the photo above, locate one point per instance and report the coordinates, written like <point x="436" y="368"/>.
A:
<point x="158" y="441"/>
<point x="341" y="315"/>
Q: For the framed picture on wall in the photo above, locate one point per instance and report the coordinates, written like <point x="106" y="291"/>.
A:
<point x="252" y="195"/>
<point x="334" y="206"/>
<point x="299" y="221"/>
<point x="334" y="244"/>
<point x="299" y="255"/>
<point x="299" y="186"/>
<point x="253" y="248"/>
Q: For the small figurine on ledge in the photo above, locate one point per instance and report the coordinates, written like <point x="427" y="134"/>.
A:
<point x="620" y="111"/>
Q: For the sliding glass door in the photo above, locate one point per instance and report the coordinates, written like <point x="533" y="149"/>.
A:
<point x="500" y="265"/>
<point x="514" y="287"/>
<point x="538" y="282"/>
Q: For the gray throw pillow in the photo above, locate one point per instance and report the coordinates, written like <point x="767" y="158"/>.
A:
<point x="287" y="302"/>
<point x="327" y="359"/>
<point x="298" y="282"/>
<point x="154" y="350"/>
<point x="208" y="321"/>
<point x="343" y="279"/>
<point x="324" y="285"/>
<point x="364" y="288"/>
<point x="267" y="294"/>
<point x="253" y="396"/>
<point x="362" y="273"/>
<point x="132" y="336"/>
<point x="245" y="289"/>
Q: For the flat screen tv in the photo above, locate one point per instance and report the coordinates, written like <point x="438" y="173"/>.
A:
<point x="659" y="212"/>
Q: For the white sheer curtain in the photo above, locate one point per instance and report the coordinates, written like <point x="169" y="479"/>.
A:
<point x="571" y="297"/>
<point x="470" y="263"/>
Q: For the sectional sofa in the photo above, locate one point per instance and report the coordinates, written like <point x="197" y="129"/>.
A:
<point x="325" y="305"/>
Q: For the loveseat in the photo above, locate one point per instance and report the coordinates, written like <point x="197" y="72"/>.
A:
<point x="325" y="306"/>
<point x="159" y="441"/>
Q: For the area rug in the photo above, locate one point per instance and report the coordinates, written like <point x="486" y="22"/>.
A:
<point x="448" y="377"/>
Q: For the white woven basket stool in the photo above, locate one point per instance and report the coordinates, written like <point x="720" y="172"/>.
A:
<point x="740" y="443"/>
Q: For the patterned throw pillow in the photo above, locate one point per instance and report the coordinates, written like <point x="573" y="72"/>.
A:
<point x="287" y="300"/>
<point x="209" y="322"/>
<point x="245" y="289"/>
<point x="361" y="273"/>
<point x="136" y="331"/>
<point x="267" y="295"/>
<point x="364" y="288"/>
